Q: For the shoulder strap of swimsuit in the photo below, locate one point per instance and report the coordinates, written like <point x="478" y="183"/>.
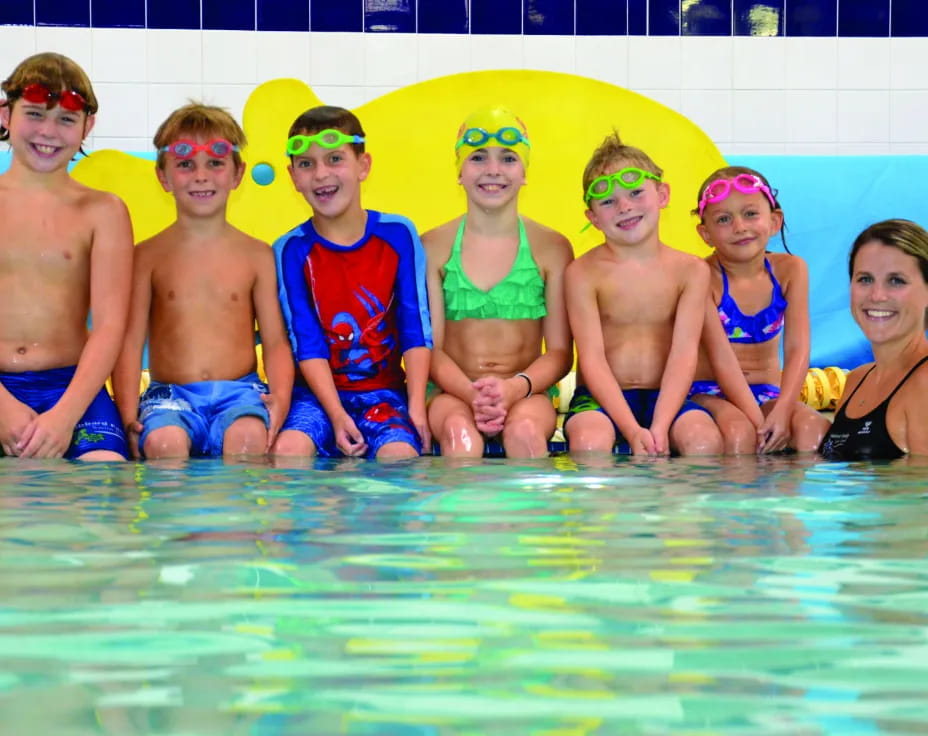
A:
<point x="858" y="386"/>
<point x="906" y="377"/>
<point x="777" y="289"/>
<point x="724" y="281"/>
<point x="458" y="239"/>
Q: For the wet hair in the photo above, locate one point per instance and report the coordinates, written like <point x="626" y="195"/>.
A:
<point x="196" y="120"/>
<point x="730" y="172"/>
<point x="55" y="72"/>
<point x="323" y="117"/>
<point x="612" y="153"/>
<point x="907" y="236"/>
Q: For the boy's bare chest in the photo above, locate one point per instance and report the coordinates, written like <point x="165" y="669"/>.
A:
<point x="44" y="245"/>
<point x="624" y="299"/>
<point x="206" y="281"/>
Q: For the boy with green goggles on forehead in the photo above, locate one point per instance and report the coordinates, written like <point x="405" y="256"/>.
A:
<point x="352" y="289"/>
<point x="636" y="309"/>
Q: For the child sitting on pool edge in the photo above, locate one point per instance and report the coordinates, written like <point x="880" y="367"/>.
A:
<point x="759" y="298"/>
<point x="636" y="309"/>
<point x="66" y="250"/>
<point x="198" y="287"/>
<point x="496" y="290"/>
<point x="352" y="288"/>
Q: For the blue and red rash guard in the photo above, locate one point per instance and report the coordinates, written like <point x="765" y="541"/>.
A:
<point x="359" y="306"/>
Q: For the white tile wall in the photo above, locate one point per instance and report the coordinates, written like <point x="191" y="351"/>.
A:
<point x="441" y="55"/>
<point x="390" y="59"/>
<point x="603" y="57"/>
<point x="119" y="55"/>
<point x="230" y="57"/>
<point x="811" y="63"/>
<point x="706" y="63"/>
<point x="496" y="52"/>
<point x="844" y="96"/>
<point x="863" y="116"/>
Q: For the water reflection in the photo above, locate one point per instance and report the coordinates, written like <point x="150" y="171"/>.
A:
<point x="769" y="595"/>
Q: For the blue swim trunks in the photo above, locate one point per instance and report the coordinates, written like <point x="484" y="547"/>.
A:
<point x="99" y="429"/>
<point x="641" y="401"/>
<point x="204" y="410"/>
<point x="763" y="392"/>
<point x="380" y="415"/>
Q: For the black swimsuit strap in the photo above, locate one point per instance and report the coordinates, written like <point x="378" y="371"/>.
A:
<point x="858" y="386"/>
<point x="907" y="376"/>
<point x="893" y="393"/>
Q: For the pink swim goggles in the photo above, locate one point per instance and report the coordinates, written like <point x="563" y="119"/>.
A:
<point x="719" y="189"/>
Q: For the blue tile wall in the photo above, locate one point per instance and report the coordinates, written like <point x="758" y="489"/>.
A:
<point x="390" y="16"/>
<point x="443" y="16"/>
<point x="754" y="18"/>
<point x="543" y="17"/>
<point x="229" y="15"/>
<point x="602" y="17"/>
<point x="117" y="14"/>
<point x="908" y="18"/>
<point x="637" y="17"/>
<point x="863" y="18"/>
<point x="58" y="13"/>
<point x="664" y="18"/>
<point x="707" y="18"/>
<point x="811" y="18"/>
<point x="337" y="15"/>
<point x="173" y="13"/>
<point x="548" y="17"/>
<point x="496" y="16"/>
<point x="17" y="14"/>
<point x="282" y="15"/>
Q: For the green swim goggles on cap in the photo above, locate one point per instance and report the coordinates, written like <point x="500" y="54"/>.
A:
<point x="628" y="178"/>
<point x="476" y="137"/>
<point x="328" y="138"/>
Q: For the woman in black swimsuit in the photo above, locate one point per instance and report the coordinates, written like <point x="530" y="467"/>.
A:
<point x="884" y="411"/>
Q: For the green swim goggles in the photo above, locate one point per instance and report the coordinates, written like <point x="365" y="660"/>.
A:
<point x="628" y="178"/>
<point x="328" y="138"/>
<point x="476" y="137"/>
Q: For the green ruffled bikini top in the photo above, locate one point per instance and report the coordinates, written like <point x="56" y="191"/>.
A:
<point x="520" y="295"/>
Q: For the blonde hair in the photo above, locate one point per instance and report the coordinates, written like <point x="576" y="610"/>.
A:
<point x="198" y="120"/>
<point x="612" y="152"/>
<point x="53" y="71"/>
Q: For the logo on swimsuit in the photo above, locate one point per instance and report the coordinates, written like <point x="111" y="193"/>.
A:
<point x="866" y="428"/>
<point x="84" y="436"/>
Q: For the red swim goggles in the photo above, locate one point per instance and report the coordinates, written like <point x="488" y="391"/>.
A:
<point x="216" y="148"/>
<point x="69" y="99"/>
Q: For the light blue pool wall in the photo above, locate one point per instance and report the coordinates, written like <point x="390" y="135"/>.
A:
<point x="827" y="97"/>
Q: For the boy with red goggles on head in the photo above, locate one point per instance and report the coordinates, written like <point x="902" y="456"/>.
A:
<point x="757" y="299"/>
<point x="198" y="288"/>
<point x="352" y="287"/>
<point x="636" y="308"/>
<point x="66" y="251"/>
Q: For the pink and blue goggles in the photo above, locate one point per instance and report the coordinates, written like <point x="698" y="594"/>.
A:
<point x="216" y="148"/>
<point x="719" y="189"/>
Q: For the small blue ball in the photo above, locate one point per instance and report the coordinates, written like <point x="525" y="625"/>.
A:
<point x="263" y="174"/>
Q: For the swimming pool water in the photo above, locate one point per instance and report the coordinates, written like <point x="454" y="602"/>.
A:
<point x="663" y="597"/>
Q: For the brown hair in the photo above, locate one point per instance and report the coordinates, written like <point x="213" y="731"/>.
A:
<point x="730" y="172"/>
<point x="55" y="72"/>
<point x="198" y="120"/>
<point x="907" y="236"/>
<point x="323" y="117"/>
<point x="612" y="152"/>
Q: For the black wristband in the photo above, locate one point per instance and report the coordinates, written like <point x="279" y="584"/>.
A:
<point x="529" y="381"/>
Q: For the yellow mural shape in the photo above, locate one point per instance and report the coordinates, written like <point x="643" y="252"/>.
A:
<point x="411" y="134"/>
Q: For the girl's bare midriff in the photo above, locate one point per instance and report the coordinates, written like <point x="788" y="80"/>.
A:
<point x="493" y="347"/>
